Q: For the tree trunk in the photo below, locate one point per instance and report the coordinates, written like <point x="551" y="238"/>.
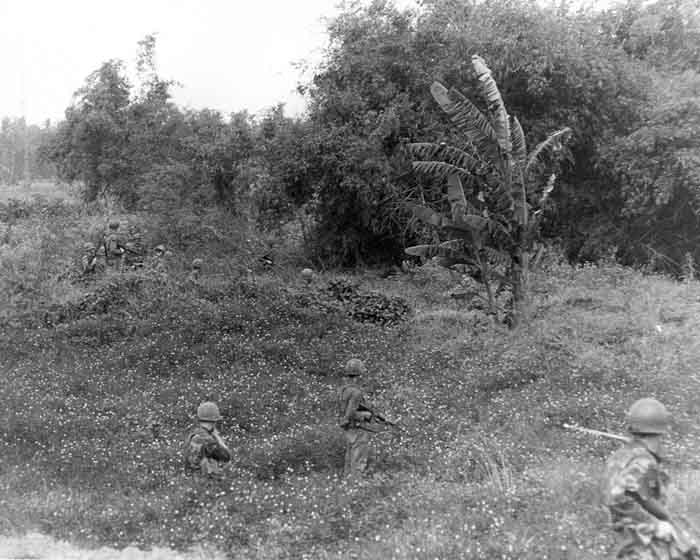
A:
<point x="519" y="277"/>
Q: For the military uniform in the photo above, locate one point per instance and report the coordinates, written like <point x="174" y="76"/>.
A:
<point x="635" y="469"/>
<point x="114" y="247"/>
<point x="636" y="490"/>
<point x="356" y="439"/>
<point x="351" y="421"/>
<point x="88" y="261"/>
<point x="206" y="453"/>
<point x="196" y="271"/>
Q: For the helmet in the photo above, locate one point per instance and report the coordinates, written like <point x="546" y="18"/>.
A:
<point x="307" y="274"/>
<point x="209" y="412"/>
<point x="88" y="246"/>
<point x="354" y="368"/>
<point x="113" y="225"/>
<point x="197" y="263"/>
<point x="160" y="248"/>
<point x="648" y="416"/>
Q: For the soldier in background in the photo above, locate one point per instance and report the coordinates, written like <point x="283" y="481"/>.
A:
<point x="636" y="487"/>
<point x="196" y="271"/>
<point x="353" y="419"/>
<point x="206" y="453"/>
<point x="88" y="261"/>
<point x="157" y="262"/>
<point x="114" y="247"/>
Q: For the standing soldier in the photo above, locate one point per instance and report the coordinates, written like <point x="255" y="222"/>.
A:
<point x="636" y="486"/>
<point x="205" y="450"/>
<point x="352" y="418"/>
<point x="114" y="247"/>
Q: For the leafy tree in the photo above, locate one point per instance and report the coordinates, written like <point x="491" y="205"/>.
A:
<point x="495" y="203"/>
<point x="90" y="144"/>
<point x="369" y="99"/>
<point x="665" y="33"/>
<point x="657" y="168"/>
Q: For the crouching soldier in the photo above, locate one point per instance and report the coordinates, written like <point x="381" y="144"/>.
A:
<point x="636" y="487"/>
<point x="205" y="450"/>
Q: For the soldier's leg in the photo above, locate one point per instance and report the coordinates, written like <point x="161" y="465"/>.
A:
<point x="349" y="439"/>
<point x="360" y="452"/>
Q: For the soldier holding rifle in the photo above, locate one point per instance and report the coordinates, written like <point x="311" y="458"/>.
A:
<point x="636" y="488"/>
<point x="357" y="420"/>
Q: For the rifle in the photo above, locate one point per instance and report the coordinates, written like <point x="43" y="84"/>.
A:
<point x="608" y="435"/>
<point x="685" y="542"/>
<point x="376" y="419"/>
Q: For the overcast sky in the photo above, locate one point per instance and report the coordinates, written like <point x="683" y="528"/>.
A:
<point x="229" y="55"/>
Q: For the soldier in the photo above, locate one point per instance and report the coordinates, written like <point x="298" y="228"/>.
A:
<point x="196" y="271"/>
<point x="636" y="485"/>
<point x="114" y="247"/>
<point x="307" y="275"/>
<point x="89" y="259"/>
<point x="158" y="261"/>
<point x="352" y="419"/>
<point x="205" y="450"/>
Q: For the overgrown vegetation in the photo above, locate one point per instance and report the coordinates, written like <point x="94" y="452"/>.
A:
<point x="623" y="79"/>
<point x="495" y="205"/>
<point x="100" y="381"/>
<point x="101" y="374"/>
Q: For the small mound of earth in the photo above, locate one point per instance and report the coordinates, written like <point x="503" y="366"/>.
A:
<point x="41" y="547"/>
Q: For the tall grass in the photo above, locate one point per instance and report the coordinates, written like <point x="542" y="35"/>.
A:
<point x="483" y="468"/>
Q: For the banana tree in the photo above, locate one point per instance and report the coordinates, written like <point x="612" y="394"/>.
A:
<point x="495" y="192"/>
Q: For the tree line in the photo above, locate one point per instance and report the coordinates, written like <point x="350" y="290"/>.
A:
<point x="624" y="80"/>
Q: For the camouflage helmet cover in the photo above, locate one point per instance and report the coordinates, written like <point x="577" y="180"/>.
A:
<point x="648" y="416"/>
<point x="209" y="412"/>
<point x="354" y="368"/>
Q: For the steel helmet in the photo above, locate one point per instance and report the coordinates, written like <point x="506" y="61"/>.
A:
<point x="355" y="367"/>
<point x="209" y="412"/>
<point x="648" y="416"/>
<point x="307" y="274"/>
<point x="88" y="246"/>
<point x="160" y="248"/>
<point x="113" y="225"/>
<point x="197" y="263"/>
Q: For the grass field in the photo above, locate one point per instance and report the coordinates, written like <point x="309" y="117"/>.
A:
<point x="483" y="470"/>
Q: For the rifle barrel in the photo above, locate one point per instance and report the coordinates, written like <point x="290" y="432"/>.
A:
<point x="608" y="435"/>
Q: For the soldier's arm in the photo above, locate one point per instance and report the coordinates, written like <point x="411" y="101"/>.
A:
<point x="634" y="485"/>
<point x="211" y="448"/>
<point x="216" y="451"/>
<point x="352" y="410"/>
<point x="652" y="506"/>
